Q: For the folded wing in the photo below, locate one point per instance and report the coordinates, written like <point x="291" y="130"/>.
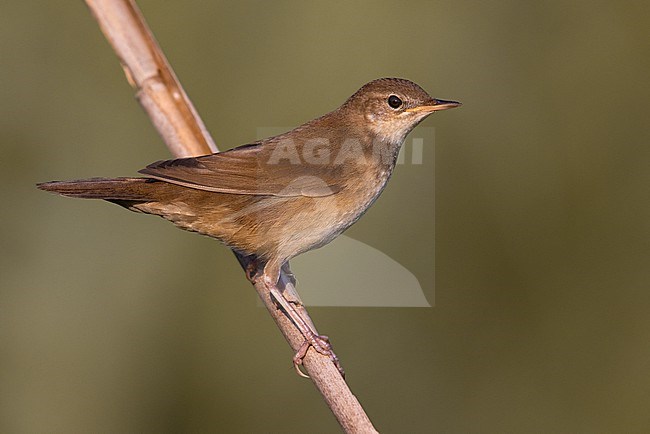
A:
<point x="248" y="169"/>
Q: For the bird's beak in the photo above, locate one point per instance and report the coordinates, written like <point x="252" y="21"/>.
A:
<point x="434" y="105"/>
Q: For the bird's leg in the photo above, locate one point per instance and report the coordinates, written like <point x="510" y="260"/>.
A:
<point x="320" y="343"/>
<point x="287" y="283"/>
<point x="312" y="339"/>
<point x="286" y="269"/>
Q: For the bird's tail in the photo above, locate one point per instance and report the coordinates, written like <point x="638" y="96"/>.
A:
<point x="118" y="190"/>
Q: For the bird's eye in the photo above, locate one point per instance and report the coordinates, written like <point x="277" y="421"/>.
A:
<point x="394" y="101"/>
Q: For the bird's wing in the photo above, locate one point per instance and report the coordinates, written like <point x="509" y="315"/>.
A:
<point x="249" y="169"/>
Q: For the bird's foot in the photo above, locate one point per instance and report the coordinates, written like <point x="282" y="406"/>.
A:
<point x="321" y="344"/>
<point x="251" y="265"/>
<point x="252" y="271"/>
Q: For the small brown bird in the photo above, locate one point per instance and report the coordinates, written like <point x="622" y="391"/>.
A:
<point x="284" y="195"/>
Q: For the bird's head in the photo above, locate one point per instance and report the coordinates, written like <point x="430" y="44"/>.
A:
<point x="391" y="107"/>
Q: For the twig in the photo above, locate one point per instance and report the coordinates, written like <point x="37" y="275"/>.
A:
<point x="163" y="98"/>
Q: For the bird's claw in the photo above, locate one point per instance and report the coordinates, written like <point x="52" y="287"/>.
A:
<point x="322" y="345"/>
<point x="252" y="272"/>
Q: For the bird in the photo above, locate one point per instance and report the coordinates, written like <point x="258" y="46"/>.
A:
<point x="276" y="198"/>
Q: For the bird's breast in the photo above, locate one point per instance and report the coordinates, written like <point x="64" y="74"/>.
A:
<point x="360" y="193"/>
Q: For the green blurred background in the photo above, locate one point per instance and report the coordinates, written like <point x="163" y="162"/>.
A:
<point x="115" y="322"/>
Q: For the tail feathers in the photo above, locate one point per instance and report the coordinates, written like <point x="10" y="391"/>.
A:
<point x="115" y="189"/>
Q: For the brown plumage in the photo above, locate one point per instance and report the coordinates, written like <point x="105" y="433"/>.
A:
<point x="284" y="195"/>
